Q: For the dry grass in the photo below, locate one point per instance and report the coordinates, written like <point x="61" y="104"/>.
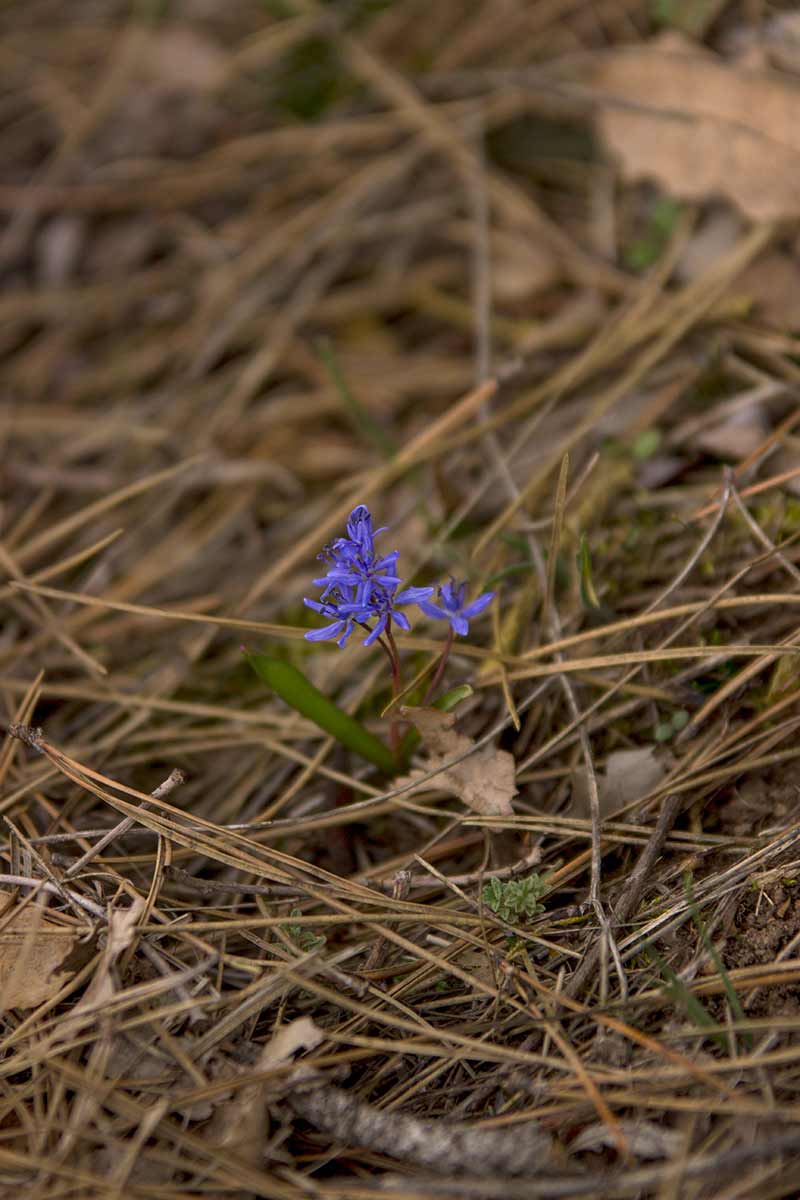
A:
<point x="179" y="235"/>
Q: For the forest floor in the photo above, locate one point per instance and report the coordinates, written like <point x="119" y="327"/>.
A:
<point x="523" y="279"/>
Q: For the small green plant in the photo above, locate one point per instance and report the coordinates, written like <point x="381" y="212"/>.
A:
<point x="589" y="597"/>
<point x="303" y="938"/>
<point x="661" y="225"/>
<point x="517" y="899"/>
<point x="666" y="730"/>
<point x="646" y="444"/>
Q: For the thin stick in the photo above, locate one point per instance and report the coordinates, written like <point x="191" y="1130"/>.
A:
<point x="634" y="886"/>
<point x="440" y="667"/>
<point x="173" y="780"/>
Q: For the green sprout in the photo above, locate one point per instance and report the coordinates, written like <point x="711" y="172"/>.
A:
<point x="666" y="730"/>
<point x="517" y="899"/>
<point x="303" y="938"/>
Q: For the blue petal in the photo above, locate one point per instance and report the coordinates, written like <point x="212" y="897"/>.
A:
<point x="377" y="631"/>
<point x="448" y="594"/>
<point x="402" y="620"/>
<point x="478" y="605"/>
<point x="359" y="516"/>
<point x="413" y="595"/>
<point x="348" y="630"/>
<point x="361" y="612"/>
<point x="432" y="610"/>
<point x="460" y="625"/>
<point x="337" y="575"/>
<point x="317" y="607"/>
<point x="322" y="635"/>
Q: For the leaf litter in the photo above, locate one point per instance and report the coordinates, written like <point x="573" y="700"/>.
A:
<point x="675" y="113"/>
<point x="483" y="779"/>
<point x="33" y="954"/>
<point x="189" y="204"/>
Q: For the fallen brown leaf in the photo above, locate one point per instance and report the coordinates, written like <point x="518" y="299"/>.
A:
<point x="32" y="951"/>
<point x="735" y="438"/>
<point x="629" y="776"/>
<point x="769" y="285"/>
<point x="242" y="1125"/>
<point x="119" y="934"/>
<point x="772" y="285"/>
<point x="701" y="127"/>
<point x="484" y="781"/>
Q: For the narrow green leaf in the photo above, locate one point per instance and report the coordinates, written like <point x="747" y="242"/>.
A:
<point x="727" y="982"/>
<point x="588" y="594"/>
<point x="453" y="698"/>
<point x="682" y="996"/>
<point x="301" y="695"/>
<point x="363" y="421"/>
<point x="511" y="569"/>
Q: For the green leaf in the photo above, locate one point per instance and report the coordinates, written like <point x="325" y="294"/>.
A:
<point x="305" y="938"/>
<point x="511" y="569"/>
<point x="646" y="444"/>
<point x="727" y="982"/>
<point x="452" y="698"/>
<point x="516" y="540"/>
<point x="517" y="899"/>
<point x="301" y="695"/>
<point x="362" y="419"/>
<point x="588" y="594"/>
<point x="681" y="995"/>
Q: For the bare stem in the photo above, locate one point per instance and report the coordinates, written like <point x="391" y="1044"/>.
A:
<point x="434" y="683"/>
<point x="397" y="683"/>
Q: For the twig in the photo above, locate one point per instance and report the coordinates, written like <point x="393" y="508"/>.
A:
<point x="173" y="780"/>
<point x="634" y="887"/>
<point x="432" y="881"/>
<point x="448" y="1149"/>
<point x="377" y="953"/>
<point x="210" y="887"/>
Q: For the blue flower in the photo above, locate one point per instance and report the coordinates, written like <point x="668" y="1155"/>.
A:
<point x="359" y="528"/>
<point x="451" y="606"/>
<point x="360" y="586"/>
<point x="383" y="604"/>
<point x="340" y="628"/>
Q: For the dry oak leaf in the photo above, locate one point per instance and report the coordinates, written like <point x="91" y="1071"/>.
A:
<point x="242" y="1126"/>
<point x="32" y="951"/>
<point x="680" y="115"/>
<point x="630" y="775"/>
<point x="484" y="780"/>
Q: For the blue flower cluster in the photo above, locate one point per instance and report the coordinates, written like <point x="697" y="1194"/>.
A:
<point x="451" y="606"/>
<point x="361" y="586"/>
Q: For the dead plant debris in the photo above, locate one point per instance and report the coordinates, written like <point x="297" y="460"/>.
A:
<point x="263" y="262"/>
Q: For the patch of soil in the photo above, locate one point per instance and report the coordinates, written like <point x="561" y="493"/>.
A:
<point x="766" y="920"/>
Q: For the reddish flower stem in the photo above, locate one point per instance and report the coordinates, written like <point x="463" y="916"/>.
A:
<point x="448" y="646"/>
<point x="390" y="646"/>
